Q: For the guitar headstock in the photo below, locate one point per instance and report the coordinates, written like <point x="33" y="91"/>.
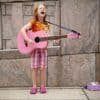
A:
<point x="73" y="35"/>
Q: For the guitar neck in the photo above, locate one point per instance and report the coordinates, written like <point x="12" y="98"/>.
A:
<point x="52" y="38"/>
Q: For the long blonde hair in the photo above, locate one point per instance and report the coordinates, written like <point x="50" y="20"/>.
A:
<point x="35" y="14"/>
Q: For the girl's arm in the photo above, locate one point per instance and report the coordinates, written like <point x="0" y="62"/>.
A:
<point x="23" y="31"/>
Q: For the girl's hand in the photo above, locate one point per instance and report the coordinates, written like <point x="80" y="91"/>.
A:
<point x="29" y="41"/>
<point x="56" y="42"/>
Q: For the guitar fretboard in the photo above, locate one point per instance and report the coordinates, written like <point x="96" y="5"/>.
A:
<point x="38" y="39"/>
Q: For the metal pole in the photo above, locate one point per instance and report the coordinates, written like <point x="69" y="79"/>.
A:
<point x="1" y="28"/>
<point x="60" y="25"/>
<point x="17" y="1"/>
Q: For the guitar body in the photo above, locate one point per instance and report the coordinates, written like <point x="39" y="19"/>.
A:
<point x="25" y="48"/>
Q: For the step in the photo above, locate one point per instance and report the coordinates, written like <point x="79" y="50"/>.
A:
<point x="55" y="93"/>
<point x="15" y="54"/>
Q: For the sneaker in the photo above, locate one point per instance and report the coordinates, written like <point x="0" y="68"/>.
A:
<point x="43" y="90"/>
<point x="33" y="90"/>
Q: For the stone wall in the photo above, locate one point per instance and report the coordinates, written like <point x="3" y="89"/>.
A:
<point x="61" y="71"/>
<point x="15" y="15"/>
<point x="0" y="32"/>
<point x="82" y="16"/>
<point x="15" y="73"/>
<point x="98" y="67"/>
<point x="69" y="71"/>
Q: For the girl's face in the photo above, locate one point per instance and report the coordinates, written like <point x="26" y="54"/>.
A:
<point x="41" y="11"/>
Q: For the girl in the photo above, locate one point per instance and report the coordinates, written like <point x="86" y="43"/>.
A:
<point x="38" y="56"/>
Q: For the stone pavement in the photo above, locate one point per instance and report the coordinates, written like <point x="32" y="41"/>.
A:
<point x="54" y="93"/>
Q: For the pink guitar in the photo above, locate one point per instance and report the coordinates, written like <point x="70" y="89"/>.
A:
<point x="40" y="40"/>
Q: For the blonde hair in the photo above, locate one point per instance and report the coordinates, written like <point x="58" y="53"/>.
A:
<point x="35" y="14"/>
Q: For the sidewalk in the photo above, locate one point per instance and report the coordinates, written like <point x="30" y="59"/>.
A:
<point x="55" y="93"/>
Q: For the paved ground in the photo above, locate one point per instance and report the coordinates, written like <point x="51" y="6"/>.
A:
<point x="68" y="93"/>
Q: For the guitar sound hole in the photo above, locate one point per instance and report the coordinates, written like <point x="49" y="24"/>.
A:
<point x="37" y="39"/>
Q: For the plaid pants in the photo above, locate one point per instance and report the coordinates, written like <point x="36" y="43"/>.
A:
<point x="39" y="58"/>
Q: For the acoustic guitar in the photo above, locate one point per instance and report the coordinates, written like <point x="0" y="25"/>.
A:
<point x="40" y="40"/>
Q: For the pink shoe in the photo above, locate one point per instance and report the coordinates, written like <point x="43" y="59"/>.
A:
<point x="43" y="90"/>
<point x="33" y="90"/>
